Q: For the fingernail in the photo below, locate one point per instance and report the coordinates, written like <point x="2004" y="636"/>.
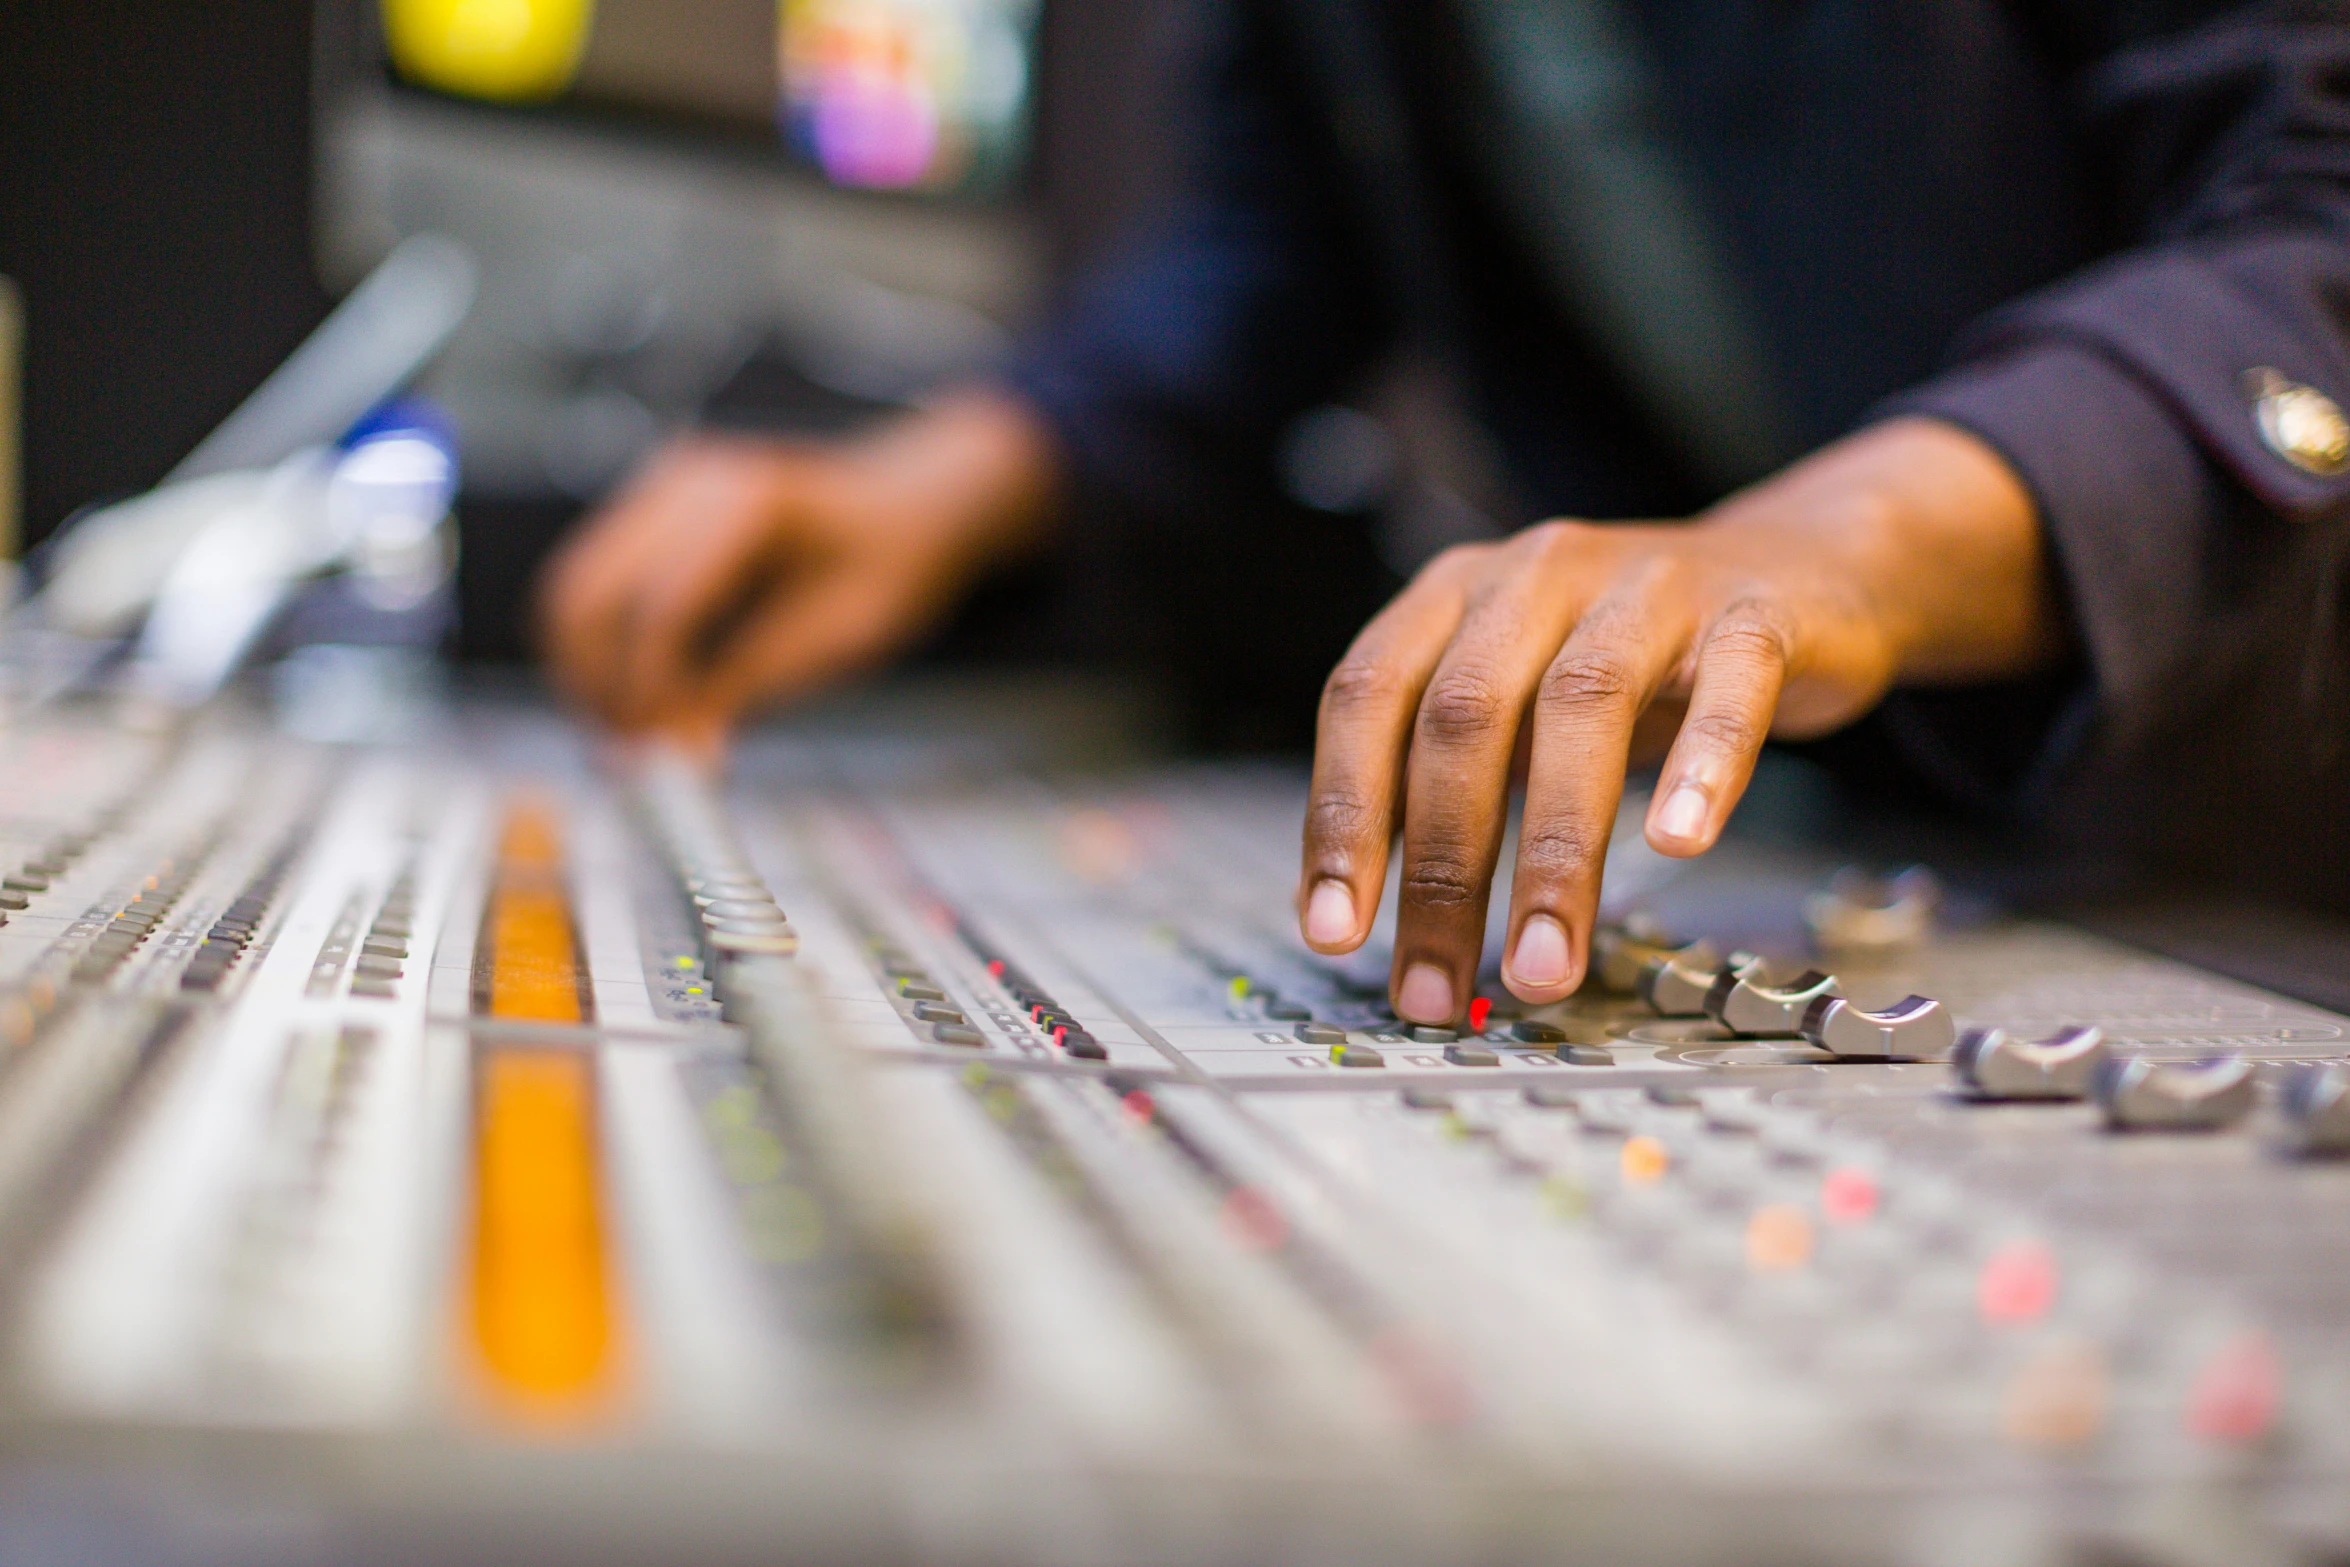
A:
<point x="1426" y="996"/>
<point x="1541" y="957"/>
<point x="1683" y="814"/>
<point x="1330" y="914"/>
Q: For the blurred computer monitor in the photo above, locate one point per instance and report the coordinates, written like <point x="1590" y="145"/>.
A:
<point x="924" y="97"/>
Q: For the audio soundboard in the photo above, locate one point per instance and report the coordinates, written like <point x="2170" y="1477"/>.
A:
<point x="486" y="1150"/>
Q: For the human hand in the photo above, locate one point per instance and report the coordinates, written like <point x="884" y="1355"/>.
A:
<point x="733" y="571"/>
<point x="1907" y="552"/>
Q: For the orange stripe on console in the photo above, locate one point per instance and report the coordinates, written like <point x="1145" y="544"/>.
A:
<point x="542" y="1304"/>
<point x="532" y="953"/>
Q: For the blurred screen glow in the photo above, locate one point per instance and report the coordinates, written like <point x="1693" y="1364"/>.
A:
<point x="912" y="95"/>
<point x="509" y="50"/>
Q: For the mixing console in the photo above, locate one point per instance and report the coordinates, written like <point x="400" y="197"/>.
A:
<point x="466" y="1151"/>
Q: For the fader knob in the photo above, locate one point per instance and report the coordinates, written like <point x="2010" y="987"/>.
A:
<point x="1677" y="985"/>
<point x="1865" y="916"/>
<point x="2143" y="1095"/>
<point x="1620" y="952"/>
<point x="2316" y="1103"/>
<point x="1744" y="1006"/>
<point x="1914" y="1028"/>
<point x="1993" y="1064"/>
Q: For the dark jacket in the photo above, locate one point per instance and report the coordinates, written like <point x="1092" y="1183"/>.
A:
<point x="2097" y="234"/>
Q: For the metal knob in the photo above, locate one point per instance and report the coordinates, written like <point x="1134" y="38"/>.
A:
<point x="2143" y="1095"/>
<point x="1744" y="1006"/>
<point x="1915" y="1028"/>
<point x="1992" y="1063"/>
<point x="1867" y="916"/>
<point x="1677" y="986"/>
<point x="2316" y="1105"/>
<point x="1620" y="951"/>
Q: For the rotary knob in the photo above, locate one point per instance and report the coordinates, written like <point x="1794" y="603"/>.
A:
<point x="1744" y="1005"/>
<point x="1915" y="1028"/>
<point x="1677" y="986"/>
<point x="2143" y="1095"/>
<point x="2316" y="1105"/>
<point x="1993" y="1064"/>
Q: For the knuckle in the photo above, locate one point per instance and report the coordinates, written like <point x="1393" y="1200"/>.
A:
<point x="1442" y="879"/>
<point x="1343" y="818"/>
<point x="1560" y="851"/>
<point x="1464" y="704"/>
<point x="1588" y="677"/>
<point x="1724" y="729"/>
<point x="1755" y="629"/>
<point x="1358" y="683"/>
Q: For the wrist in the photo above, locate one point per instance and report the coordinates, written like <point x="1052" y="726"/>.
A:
<point x="1934" y="533"/>
<point x="978" y="468"/>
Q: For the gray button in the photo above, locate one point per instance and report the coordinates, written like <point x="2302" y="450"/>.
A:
<point x="919" y="992"/>
<point x="1426" y="1099"/>
<point x="1991" y="1063"/>
<point x="374" y="987"/>
<point x="1288" y="1011"/>
<point x="1912" y="1029"/>
<point x="1357" y="1055"/>
<point x="1429" y="1034"/>
<point x="1321" y="1033"/>
<point x="2316" y="1106"/>
<point x="13" y="900"/>
<point x="2143" y="1095"/>
<point x="956" y="1034"/>
<point x="742" y="909"/>
<point x="933" y="1012"/>
<point x="379" y="968"/>
<point x="1534" y="1033"/>
<point x="1744" y="1006"/>
<point x="23" y="883"/>
<point x="1470" y="1055"/>
<point x="379" y="948"/>
<point x="1586" y="1055"/>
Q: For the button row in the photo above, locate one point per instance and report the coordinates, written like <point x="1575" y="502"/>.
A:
<point x="911" y="986"/>
<point x="44" y="867"/>
<point x="241" y="921"/>
<point x="139" y="918"/>
<point x="1056" y="1021"/>
<point x="383" y="952"/>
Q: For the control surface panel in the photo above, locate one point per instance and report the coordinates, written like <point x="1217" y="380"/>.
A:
<point x="466" y="1143"/>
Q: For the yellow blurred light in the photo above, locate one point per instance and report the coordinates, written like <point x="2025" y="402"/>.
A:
<point x="516" y="51"/>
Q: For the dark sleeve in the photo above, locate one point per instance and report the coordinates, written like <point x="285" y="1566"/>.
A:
<point x="1178" y="363"/>
<point x="2128" y="397"/>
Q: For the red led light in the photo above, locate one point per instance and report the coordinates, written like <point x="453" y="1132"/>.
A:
<point x="1848" y="1195"/>
<point x="1139" y="1107"/>
<point x="1251" y="1220"/>
<point x="2018" y="1284"/>
<point x="995" y="968"/>
<point x="2236" y="1394"/>
<point x="1479" y="1010"/>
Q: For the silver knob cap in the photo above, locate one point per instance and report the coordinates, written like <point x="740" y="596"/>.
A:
<point x="2143" y="1095"/>
<point x="1676" y="986"/>
<point x="1740" y="1004"/>
<point x="1915" y="1028"/>
<point x="2316" y="1105"/>
<point x="1619" y="952"/>
<point x="1992" y="1063"/>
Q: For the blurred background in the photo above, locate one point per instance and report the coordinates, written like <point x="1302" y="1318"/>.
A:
<point x="789" y="214"/>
